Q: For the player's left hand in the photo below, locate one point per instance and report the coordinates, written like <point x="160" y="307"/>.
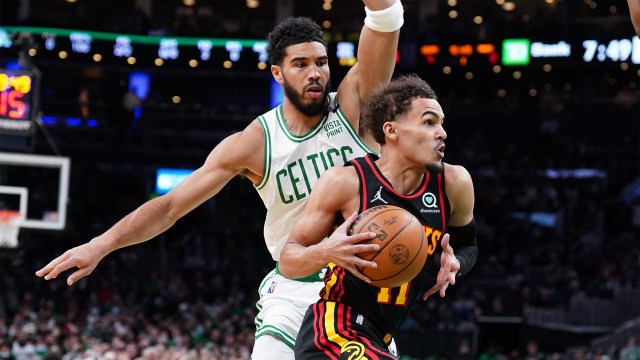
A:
<point x="449" y="267"/>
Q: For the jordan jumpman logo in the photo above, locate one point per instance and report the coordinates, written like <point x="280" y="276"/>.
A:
<point x="379" y="196"/>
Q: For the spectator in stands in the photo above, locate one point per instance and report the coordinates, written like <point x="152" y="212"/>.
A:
<point x="631" y="350"/>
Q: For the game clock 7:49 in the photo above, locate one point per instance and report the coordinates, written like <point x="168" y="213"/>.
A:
<point x="16" y="100"/>
<point x="614" y="50"/>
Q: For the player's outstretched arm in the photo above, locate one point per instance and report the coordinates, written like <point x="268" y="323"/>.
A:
<point x="377" y="49"/>
<point x="305" y="252"/>
<point x="239" y="152"/>
<point x="459" y="249"/>
<point x="634" y="10"/>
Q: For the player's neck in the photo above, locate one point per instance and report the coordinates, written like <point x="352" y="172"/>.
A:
<point x="405" y="177"/>
<point x="297" y="122"/>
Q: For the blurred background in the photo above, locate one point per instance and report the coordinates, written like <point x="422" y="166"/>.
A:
<point x="106" y="104"/>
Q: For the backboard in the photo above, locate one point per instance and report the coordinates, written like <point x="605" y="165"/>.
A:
<point x="37" y="186"/>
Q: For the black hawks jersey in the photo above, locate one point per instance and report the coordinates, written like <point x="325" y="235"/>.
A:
<point x="386" y="308"/>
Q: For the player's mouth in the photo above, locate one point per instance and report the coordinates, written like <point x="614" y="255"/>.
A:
<point x="440" y="151"/>
<point x="315" y="91"/>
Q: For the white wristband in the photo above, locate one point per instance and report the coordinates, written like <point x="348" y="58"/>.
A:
<point x="385" y="20"/>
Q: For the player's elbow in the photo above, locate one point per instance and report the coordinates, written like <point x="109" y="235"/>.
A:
<point x="286" y="264"/>
<point x="168" y="210"/>
<point x="298" y="261"/>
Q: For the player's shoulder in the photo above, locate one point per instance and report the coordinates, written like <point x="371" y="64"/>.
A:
<point x="250" y="136"/>
<point x="340" y="177"/>
<point x="244" y="144"/>
<point x="456" y="172"/>
<point x="457" y="177"/>
<point x="340" y="172"/>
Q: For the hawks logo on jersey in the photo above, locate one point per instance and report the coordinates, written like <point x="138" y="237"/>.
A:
<point x="355" y="350"/>
<point x="433" y="237"/>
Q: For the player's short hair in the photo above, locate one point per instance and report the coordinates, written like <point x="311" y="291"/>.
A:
<point x="389" y="102"/>
<point x="292" y="31"/>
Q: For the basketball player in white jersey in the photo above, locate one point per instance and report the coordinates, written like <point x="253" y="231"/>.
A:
<point x="283" y="152"/>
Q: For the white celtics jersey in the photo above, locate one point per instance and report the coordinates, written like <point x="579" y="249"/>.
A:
<point x="294" y="163"/>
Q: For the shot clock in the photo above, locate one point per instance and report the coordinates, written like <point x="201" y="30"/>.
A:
<point x="17" y="99"/>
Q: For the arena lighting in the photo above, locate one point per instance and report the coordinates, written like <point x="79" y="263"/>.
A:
<point x="167" y="179"/>
<point x="430" y="52"/>
<point x="5" y="40"/>
<point x="346" y="53"/>
<point x="73" y="122"/>
<point x="49" y="120"/>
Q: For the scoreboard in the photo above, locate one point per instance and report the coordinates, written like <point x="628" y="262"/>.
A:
<point x="17" y="100"/>
<point x="148" y="50"/>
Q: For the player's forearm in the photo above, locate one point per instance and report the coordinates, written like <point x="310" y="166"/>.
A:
<point x="376" y="5"/>
<point x="298" y="261"/>
<point x="467" y="256"/>
<point x="145" y="223"/>
<point x="378" y="44"/>
<point x="634" y="10"/>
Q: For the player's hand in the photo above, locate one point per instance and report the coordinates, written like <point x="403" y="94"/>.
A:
<point x="449" y="267"/>
<point x="84" y="257"/>
<point x="342" y="249"/>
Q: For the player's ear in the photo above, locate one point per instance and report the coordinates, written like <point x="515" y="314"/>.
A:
<point x="389" y="130"/>
<point x="276" y="71"/>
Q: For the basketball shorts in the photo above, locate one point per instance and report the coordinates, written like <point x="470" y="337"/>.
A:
<point x="333" y="330"/>
<point x="282" y="305"/>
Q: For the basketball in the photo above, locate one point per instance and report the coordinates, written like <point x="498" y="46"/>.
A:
<point x="403" y="247"/>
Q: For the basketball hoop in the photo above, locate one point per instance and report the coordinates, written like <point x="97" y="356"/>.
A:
<point x="10" y="221"/>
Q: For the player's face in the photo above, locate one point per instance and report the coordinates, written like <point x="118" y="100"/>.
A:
<point x="306" y="78"/>
<point x="421" y="135"/>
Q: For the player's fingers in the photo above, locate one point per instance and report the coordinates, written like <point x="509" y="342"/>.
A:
<point x="78" y="275"/>
<point x="358" y="274"/>
<point x="361" y="264"/>
<point x="347" y="223"/>
<point x="444" y="289"/>
<point x="445" y="243"/>
<point x="65" y="265"/>
<point x="52" y="264"/>
<point x="358" y="238"/>
<point x="430" y="292"/>
<point x="360" y="248"/>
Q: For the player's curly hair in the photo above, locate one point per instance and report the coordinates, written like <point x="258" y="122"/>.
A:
<point x="388" y="102"/>
<point x="292" y="31"/>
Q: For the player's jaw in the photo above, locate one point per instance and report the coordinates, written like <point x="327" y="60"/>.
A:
<point x="436" y="165"/>
<point x="313" y="99"/>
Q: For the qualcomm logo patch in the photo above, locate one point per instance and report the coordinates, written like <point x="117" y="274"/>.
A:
<point x="430" y="201"/>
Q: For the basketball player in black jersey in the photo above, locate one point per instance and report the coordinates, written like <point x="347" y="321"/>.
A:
<point x="353" y="319"/>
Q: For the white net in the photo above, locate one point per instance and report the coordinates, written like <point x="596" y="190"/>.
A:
<point x="9" y="228"/>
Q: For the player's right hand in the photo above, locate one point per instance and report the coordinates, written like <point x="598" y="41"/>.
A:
<point x="84" y="257"/>
<point x="342" y="249"/>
